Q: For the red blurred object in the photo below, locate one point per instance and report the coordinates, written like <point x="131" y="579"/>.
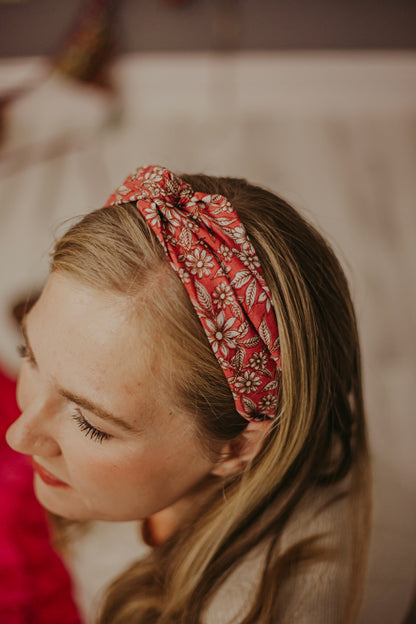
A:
<point x="35" y="587"/>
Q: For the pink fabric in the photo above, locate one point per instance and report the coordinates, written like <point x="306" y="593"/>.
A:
<point x="35" y="587"/>
<point x="208" y="247"/>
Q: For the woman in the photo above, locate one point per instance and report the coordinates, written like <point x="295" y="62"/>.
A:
<point x="220" y="403"/>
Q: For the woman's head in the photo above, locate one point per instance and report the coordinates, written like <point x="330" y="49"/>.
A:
<point x="132" y="304"/>
<point x="114" y="336"/>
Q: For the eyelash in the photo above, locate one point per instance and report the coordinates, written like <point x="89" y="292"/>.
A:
<point x="24" y="353"/>
<point x="90" y="431"/>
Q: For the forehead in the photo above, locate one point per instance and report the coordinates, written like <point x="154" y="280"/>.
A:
<point x="96" y="344"/>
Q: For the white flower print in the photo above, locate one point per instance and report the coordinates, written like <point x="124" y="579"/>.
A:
<point x="154" y="174"/>
<point x="247" y="382"/>
<point x="208" y="210"/>
<point x="151" y="189"/>
<point x="191" y="224"/>
<point x="127" y="195"/>
<point x="168" y="210"/>
<point x="268" y="402"/>
<point x="218" y="200"/>
<point x="220" y="334"/>
<point x="258" y="361"/>
<point x="184" y="275"/>
<point x="248" y="256"/>
<point x="152" y="214"/>
<point x="199" y="263"/>
<point x="238" y="234"/>
<point x="222" y="296"/>
<point x="123" y="190"/>
<point x="224" y="268"/>
<point x="225" y="252"/>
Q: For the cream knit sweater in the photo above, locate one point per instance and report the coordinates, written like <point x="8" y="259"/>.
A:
<point x="315" y="594"/>
<point x="317" y="591"/>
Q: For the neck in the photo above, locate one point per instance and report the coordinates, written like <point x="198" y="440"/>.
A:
<point x="159" y="527"/>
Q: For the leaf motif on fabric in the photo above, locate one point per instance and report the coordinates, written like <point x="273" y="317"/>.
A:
<point x="251" y="342"/>
<point x="172" y="186"/>
<point x="251" y="293"/>
<point x="276" y="345"/>
<point x="203" y="297"/>
<point x="262" y="296"/>
<point x="185" y="238"/>
<point x="223" y="221"/>
<point x="249" y="404"/>
<point x="244" y="327"/>
<point x="264" y="332"/>
<point x="272" y="385"/>
<point x="241" y="278"/>
<point x="237" y="310"/>
<point x="217" y="209"/>
<point x="229" y="232"/>
<point x="238" y="234"/>
<point x="217" y="198"/>
<point x="202" y="313"/>
<point x="265" y="372"/>
<point x="238" y="359"/>
<point x="172" y="231"/>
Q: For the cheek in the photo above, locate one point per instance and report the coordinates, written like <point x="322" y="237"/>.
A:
<point x="120" y="486"/>
<point x="122" y="478"/>
<point x="108" y="467"/>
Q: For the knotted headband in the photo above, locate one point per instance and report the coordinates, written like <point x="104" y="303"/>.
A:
<point x="208" y="247"/>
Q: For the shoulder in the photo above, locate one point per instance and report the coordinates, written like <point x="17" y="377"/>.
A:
<point x="316" y="589"/>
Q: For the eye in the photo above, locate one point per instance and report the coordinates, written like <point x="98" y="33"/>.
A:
<point x="25" y="354"/>
<point x="89" y="430"/>
<point x="22" y="350"/>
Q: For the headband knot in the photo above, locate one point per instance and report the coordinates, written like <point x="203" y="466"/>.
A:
<point x="208" y="247"/>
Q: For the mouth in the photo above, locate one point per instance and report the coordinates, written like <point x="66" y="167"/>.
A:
<point x="48" y="477"/>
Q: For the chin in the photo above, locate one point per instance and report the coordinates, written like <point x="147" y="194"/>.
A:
<point x="58" y="503"/>
<point x="68" y="504"/>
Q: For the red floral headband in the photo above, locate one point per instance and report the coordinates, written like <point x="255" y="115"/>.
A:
<point x="209" y="249"/>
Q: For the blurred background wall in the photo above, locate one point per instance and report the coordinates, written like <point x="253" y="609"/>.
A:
<point x="315" y="100"/>
<point x="207" y="24"/>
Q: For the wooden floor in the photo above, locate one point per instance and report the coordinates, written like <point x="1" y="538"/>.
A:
<point x="334" y="134"/>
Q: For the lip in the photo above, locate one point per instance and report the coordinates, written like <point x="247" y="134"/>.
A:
<point x="47" y="477"/>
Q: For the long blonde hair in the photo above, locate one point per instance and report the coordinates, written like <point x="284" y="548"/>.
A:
<point x="320" y="404"/>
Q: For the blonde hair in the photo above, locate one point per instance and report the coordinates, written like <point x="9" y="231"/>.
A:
<point x="320" y="404"/>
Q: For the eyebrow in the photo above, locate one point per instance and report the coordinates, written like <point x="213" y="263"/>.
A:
<point x="76" y="398"/>
<point x="96" y="409"/>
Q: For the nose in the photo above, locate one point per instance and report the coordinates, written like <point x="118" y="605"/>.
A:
<point x="29" y="435"/>
<point x="33" y="432"/>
